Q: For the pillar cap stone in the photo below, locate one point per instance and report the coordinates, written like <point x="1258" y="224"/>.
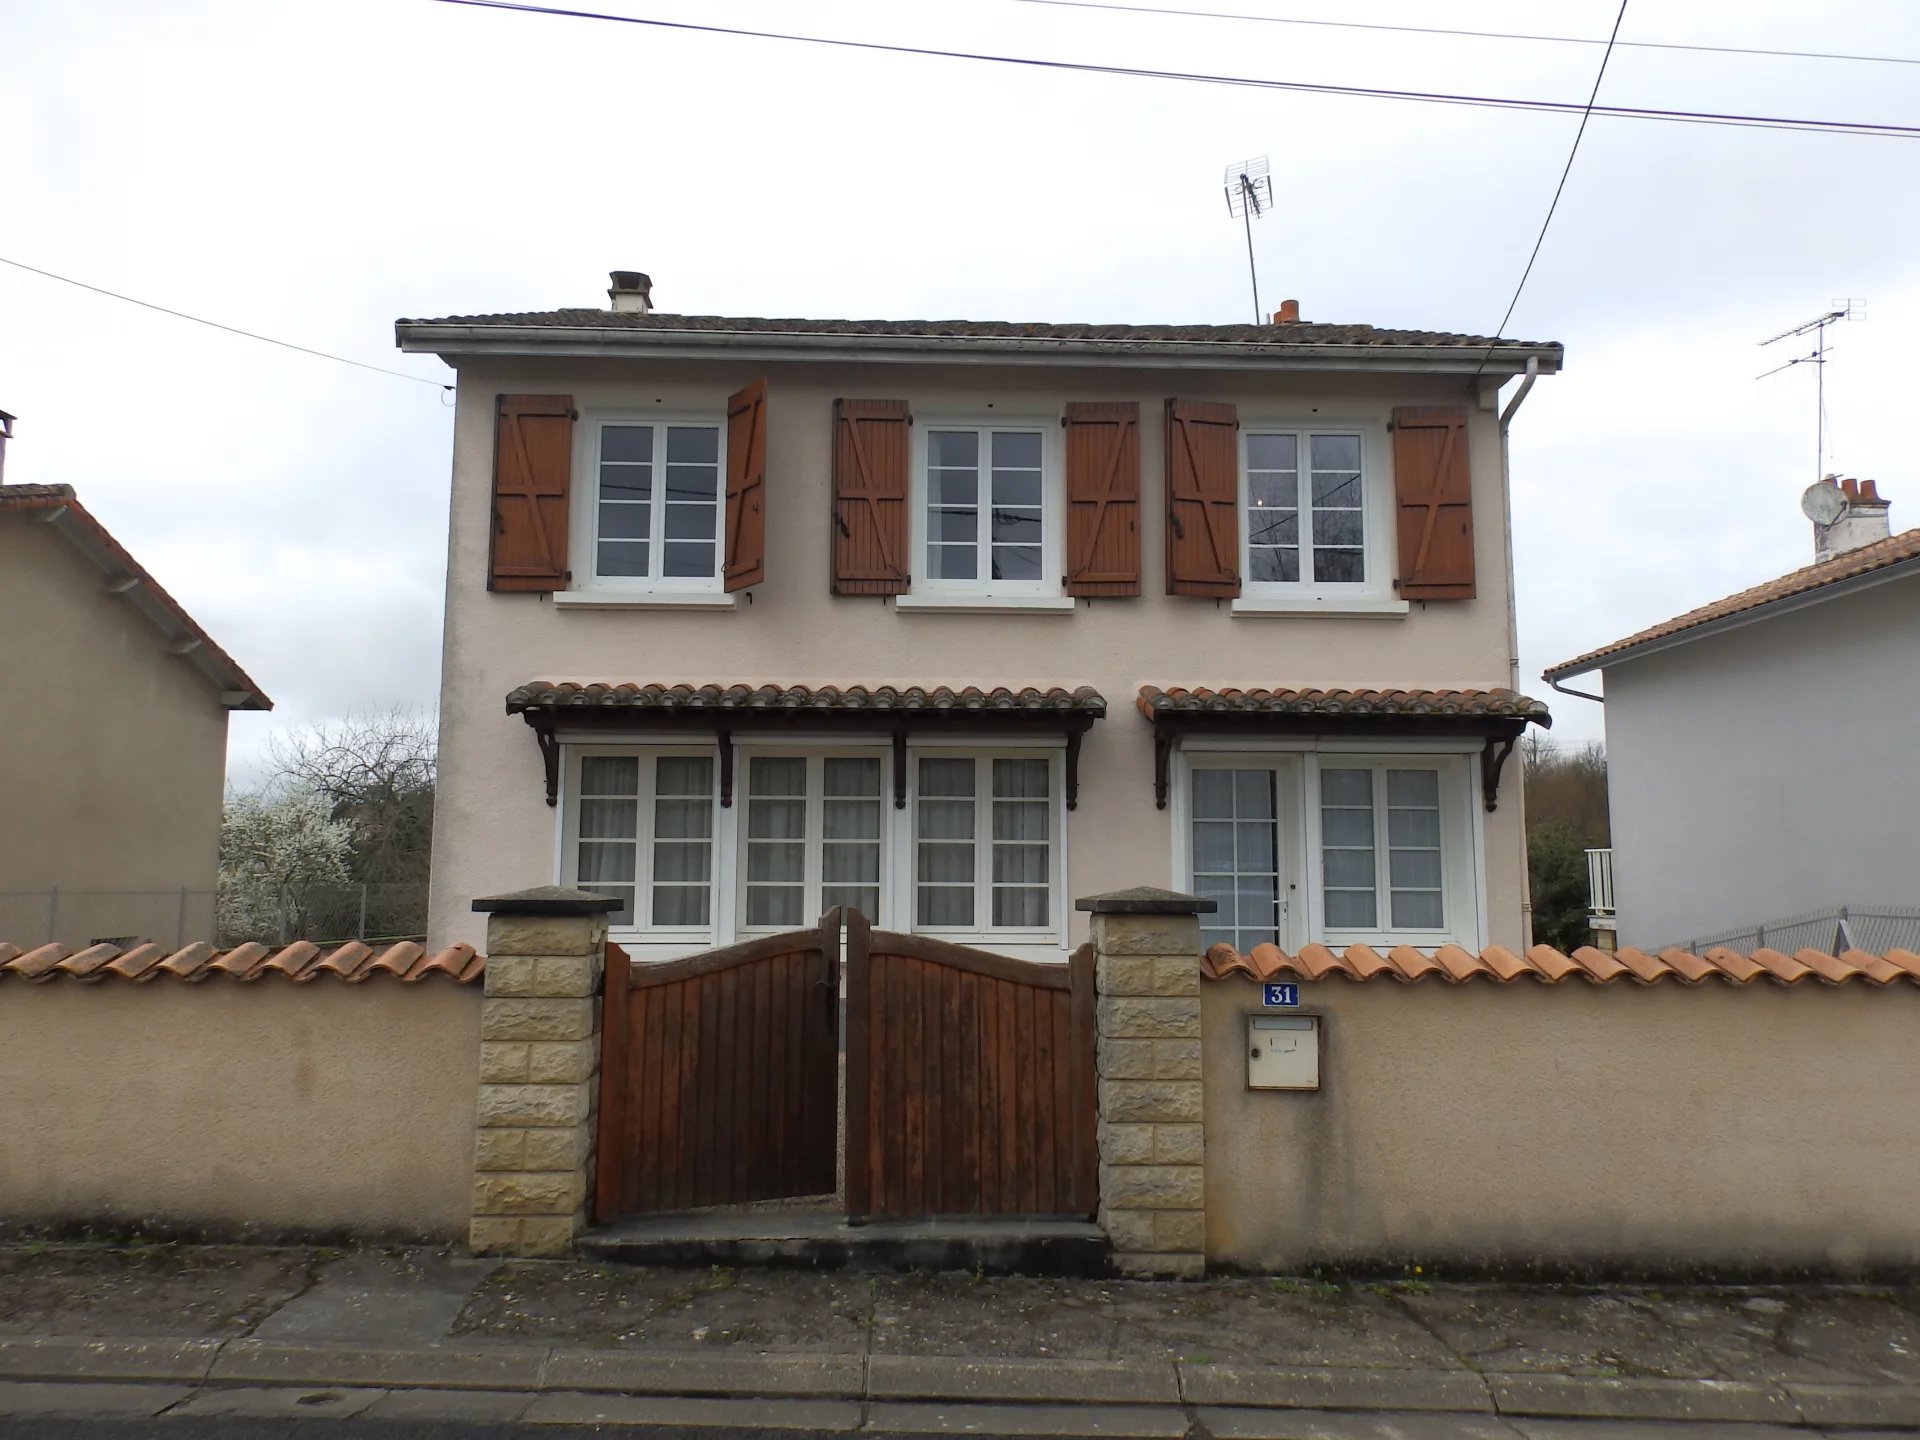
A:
<point x="1145" y="900"/>
<point x="547" y="900"/>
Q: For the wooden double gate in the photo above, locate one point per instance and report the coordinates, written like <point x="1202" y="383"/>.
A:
<point x="969" y="1078"/>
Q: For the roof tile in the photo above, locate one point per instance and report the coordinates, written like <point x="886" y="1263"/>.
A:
<point x="1895" y="550"/>
<point x="628" y="695"/>
<point x="1155" y="702"/>
<point x="300" y="962"/>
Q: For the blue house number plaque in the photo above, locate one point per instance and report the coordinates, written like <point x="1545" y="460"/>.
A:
<point x="1283" y="997"/>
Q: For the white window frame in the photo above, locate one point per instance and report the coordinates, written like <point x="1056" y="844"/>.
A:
<point x="987" y="935"/>
<point x="816" y="756"/>
<point x="568" y="826"/>
<point x="1043" y="593"/>
<point x="584" y="521"/>
<point x="1462" y="823"/>
<point x="1379" y="543"/>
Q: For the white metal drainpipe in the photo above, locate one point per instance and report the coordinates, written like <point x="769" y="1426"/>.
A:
<point x="1513" y="604"/>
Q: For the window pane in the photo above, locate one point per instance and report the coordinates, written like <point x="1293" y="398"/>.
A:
<point x="1350" y="910"/>
<point x="1020" y="820"/>
<point x="770" y="907"/>
<point x="851" y="819"/>
<point x="689" y="522"/>
<point x="1017" y="487"/>
<point x="1414" y="827"/>
<point x="693" y="445"/>
<point x="953" y="487"/>
<point x="605" y="862"/>
<point x="947" y="777"/>
<point x="1273" y="527"/>
<point x="626" y="483"/>
<point x="1273" y="564"/>
<point x="1253" y="794"/>
<point x="626" y="443"/>
<point x="1020" y="907"/>
<point x="1016" y="562"/>
<point x="682" y="819"/>
<point x="693" y="482"/>
<point x="1339" y="567"/>
<point x="622" y="917"/>
<point x="959" y="449"/>
<point x="1418" y="910"/>
<point x="621" y="558"/>
<point x="864" y="898"/>
<point x="852" y="775"/>
<point x="1273" y="452"/>
<point x="679" y="861"/>
<point x="954" y="562"/>
<point x="1020" y="779"/>
<point x="1348" y="869"/>
<point x="776" y="819"/>
<point x="776" y="862"/>
<point x="1016" y="527"/>
<point x="1257" y="911"/>
<point x="1413" y="869"/>
<point x="1330" y="527"/>
<point x="842" y="864"/>
<point x="1254" y="846"/>
<point x="1413" y="787"/>
<point x="945" y="864"/>
<point x="1347" y="787"/>
<point x="1213" y="794"/>
<point x="951" y="525"/>
<point x="625" y="522"/>
<point x="609" y="819"/>
<point x="1213" y="847"/>
<point x="689" y="560"/>
<point x="1346" y="827"/>
<point x="1336" y="452"/>
<point x="680" y="905"/>
<point x="944" y="907"/>
<point x="683" y="775"/>
<point x="1016" y="449"/>
<point x="777" y="775"/>
<point x="1020" y="864"/>
<point x="1273" y="492"/>
<point x="610" y="775"/>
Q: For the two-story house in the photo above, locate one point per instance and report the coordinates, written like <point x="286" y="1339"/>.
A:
<point x="954" y="622"/>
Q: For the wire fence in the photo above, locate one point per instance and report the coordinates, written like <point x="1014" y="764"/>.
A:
<point x="227" y="915"/>
<point x="1875" y="929"/>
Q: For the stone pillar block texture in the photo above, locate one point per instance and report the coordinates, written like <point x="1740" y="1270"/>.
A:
<point x="1152" y="1114"/>
<point x="539" y="1082"/>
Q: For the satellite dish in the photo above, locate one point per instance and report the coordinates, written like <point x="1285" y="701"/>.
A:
<point x="1822" y="503"/>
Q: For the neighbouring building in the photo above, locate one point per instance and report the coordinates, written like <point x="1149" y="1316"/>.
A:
<point x="1761" y="750"/>
<point x="113" y="755"/>
<point x="953" y="622"/>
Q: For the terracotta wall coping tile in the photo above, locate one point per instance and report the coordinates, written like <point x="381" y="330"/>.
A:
<point x="1545" y="965"/>
<point x="300" y="962"/>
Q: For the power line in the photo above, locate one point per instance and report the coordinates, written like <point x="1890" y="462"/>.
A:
<point x="1472" y="34"/>
<point x="1550" y="107"/>
<point x="230" y="329"/>
<point x="1559" y="189"/>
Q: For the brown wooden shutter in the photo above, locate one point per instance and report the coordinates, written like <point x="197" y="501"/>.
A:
<point x="870" y="497"/>
<point x="532" y="473"/>
<point x="1203" y="499"/>
<point x="1103" y="499"/>
<point x="1433" y="489"/>
<point x="746" y="562"/>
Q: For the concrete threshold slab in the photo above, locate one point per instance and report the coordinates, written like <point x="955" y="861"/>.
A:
<point x="1145" y="1422"/>
<point x="265" y="1362"/>
<point x="63" y="1357"/>
<point x="579" y="1409"/>
<point x="940" y="1377"/>
<point x="1579" y="1398"/>
<point x="1327" y="1388"/>
<point x="655" y="1372"/>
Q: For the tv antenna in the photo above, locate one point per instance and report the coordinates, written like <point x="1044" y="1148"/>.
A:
<point x="1817" y="327"/>
<point x="1249" y="196"/>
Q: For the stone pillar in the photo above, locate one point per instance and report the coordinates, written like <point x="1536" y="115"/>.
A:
<point x="1152" y="1112"/>
<point x="539" y="1069"/>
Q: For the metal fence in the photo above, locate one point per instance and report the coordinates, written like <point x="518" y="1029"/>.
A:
<point x="76" y="916"/>
<point x="1873" y="928"/>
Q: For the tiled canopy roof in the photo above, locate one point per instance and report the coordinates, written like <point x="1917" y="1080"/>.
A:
<point x="801" y="699"/>
<point x="1882" y="554"/>
<point x="301" y="961"/>
<point x="1550" y="966"/>
<point x="1156" y="703"/>
<point x="77" y="525"/>
<point x="1297" y="334"/>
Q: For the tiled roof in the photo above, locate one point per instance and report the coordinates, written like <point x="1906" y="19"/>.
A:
<point x="1299" y="333"/>
<point x="1550" y="966"/>
<point x="1895" y="550"/>
<point x="970" y="699"/>
<point x="300" y="962"/>
<point x="78" y="526"/>
<point x="1505" y="704"/>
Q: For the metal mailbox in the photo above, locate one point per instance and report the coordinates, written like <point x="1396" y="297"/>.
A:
<point x="1283" y="1052"/>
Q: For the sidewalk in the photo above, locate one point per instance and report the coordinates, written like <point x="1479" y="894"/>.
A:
<point x="426" y="1333"/>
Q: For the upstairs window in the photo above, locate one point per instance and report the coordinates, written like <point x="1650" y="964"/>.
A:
<point x="984" y="514"/>
<point x="656" y="504"/>
<point x="1305" y="498"/>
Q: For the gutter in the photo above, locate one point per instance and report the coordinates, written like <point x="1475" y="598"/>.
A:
<point x="996" y="349"/>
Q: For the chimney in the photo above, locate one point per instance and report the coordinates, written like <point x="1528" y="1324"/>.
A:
<point x="631" y="291"/>
<point x="1288" y="313"/>
<point x="1863" y="519"/>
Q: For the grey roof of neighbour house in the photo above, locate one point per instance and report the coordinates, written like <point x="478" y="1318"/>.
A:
<point x="657" y="328"/>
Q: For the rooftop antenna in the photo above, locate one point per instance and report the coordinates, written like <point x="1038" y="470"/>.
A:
<point x="1853" y="309"/>
<point x="1250" y="195"/>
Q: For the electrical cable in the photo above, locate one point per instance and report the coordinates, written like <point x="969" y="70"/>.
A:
<point x="1554" y="107"/>
<point x="1559" y="189"/>
<point x="1473" y="34"/>
<point x="230" y="329"/>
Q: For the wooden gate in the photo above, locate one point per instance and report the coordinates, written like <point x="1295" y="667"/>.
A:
<point x="970" y="1080"/>
<point x="719" y="1075"/>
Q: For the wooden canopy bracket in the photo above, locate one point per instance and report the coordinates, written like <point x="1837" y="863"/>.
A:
<point x="542" y="726"/>
<point x="1493" y="759"/>
<point x="900" y="767"/>
<point x="1074" y="738"/>
<point x="1162" y="765"/>
<point x="723" y="737"/>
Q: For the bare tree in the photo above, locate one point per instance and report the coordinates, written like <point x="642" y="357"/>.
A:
<point x="376" y="770"/>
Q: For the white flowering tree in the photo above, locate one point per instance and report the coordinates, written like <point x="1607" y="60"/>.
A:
<point x="279" y="852"/>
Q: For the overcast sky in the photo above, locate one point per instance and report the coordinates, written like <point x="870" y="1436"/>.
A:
<point x="314" y="169"/>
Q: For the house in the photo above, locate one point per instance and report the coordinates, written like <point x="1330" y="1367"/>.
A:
<point x="954" y="622"/>
<point x="1760" y="750"/>
<point x="113" y="762"/>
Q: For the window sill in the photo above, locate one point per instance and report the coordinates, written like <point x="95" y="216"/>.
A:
<point x="989" y="604"/>
<point x="1366" y="607"/>
<point x="645" y="599"/>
